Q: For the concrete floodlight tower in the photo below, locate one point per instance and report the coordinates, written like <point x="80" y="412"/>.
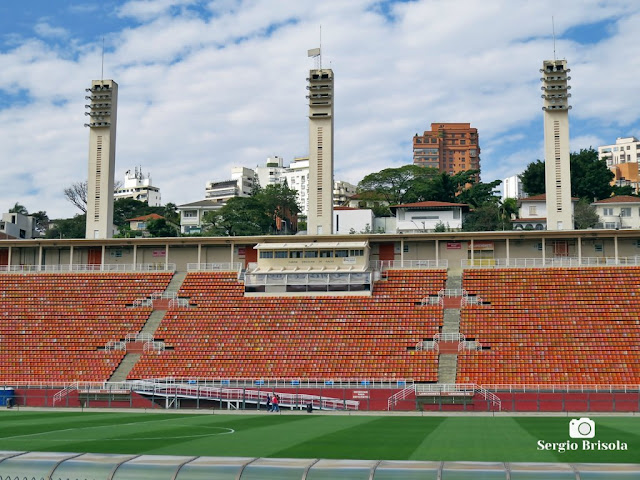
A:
<point x="320" y="215"/>
<point x="556" y="144"/>
<point x="102" y="112"/>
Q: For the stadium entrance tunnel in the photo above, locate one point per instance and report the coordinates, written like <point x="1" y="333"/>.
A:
<point x="74" y="466"/>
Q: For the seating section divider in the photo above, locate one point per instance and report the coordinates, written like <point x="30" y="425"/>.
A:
<point x="553" y="326"/>
<point x="53" y="325"/>
<point x="228" y="335"/>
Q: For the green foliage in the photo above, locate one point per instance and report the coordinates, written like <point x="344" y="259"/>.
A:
<point x="479" y="194"/>
<point x="18" y="208"/>
<point x="440" y="227"/>
<point x="254" y="215"/>
<point x="485" y="218"/>
<point x="398" y="185"/>
<point x="623" y="190"/>
<point x="68" y="228"/>
<point x="584" y="215"/>
<point x="590" y="177"/>
<point x="532" y="178"/>
<point x="125" y="208"/>
<point x="412" y="183"/>
<point x="161" y="228"/>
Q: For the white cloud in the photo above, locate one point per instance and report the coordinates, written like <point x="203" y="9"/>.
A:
<point x="199" y="94"/>
<point x="46" y="30"/>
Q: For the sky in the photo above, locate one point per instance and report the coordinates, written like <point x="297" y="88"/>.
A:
<point x="205" y="85"/>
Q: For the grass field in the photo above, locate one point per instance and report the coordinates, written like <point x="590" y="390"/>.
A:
<point x="512" y="439"/>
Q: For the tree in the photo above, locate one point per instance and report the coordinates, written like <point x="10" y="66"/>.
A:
<point x="18" y="208"/>
<point x="479" y="194"/>
<point x="508" y="210"/>
<point x="41" y="221"/>
<point x="398" y="185"/>
<point x="584" y="215"/>
<point x="76" y="193"/>
<point x="277" y="201"/>
<point x="482" y="219"/>
<point x="590" y="176"/>
<point x="68" y="228"/>
<point x="239" y="216"/>
<point x="161" y="228"/>
<point x="623" y="190"/>
<point x="532" y="178"/>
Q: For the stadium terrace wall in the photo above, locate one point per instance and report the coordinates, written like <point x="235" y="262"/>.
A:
<point x="453" y="247"/>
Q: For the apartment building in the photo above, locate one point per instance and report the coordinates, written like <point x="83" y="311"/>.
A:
<point x="449" y="147"/>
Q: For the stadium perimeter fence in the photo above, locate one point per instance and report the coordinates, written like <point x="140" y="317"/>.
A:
<point x="322" y="395"/>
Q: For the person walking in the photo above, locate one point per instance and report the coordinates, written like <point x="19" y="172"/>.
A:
<point x="268" y="403"/>
<point x="276" y="403"/>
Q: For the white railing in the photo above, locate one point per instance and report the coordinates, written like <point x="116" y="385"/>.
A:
<point x="449" y="337"/>
<point x="427" y="345"/>
<point x="138" y="337"/>
<point x="64" y="392"/>
<point x="382" y="265"/>
<point x="563" y="388"/>
<point x="178" y="302"/>
<point x="214" y="267"/>
<point x="469" y="345"/>
<point x="292" y="400"/>
<point x="114" y="345"/>
<point x="401" y="395"/>
<point x="550" y="262"/>
<point x="300" y="278"/>
<point x="90" y="268"/>
<point x="154" y="347"/>
<point x="289" y="383"/>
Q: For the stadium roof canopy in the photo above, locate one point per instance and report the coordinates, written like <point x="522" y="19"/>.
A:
<point x="308" y="245"/>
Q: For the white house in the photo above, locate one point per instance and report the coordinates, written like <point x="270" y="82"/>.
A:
<point x="426" y="216"/>
<point x="352" y="220"/>
<point x="191" y="214"/>
<point x="532" y="213"/>
<point x="620" y="212"/>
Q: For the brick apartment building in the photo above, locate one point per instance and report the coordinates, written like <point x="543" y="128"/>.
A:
<point x="449" y="147"/>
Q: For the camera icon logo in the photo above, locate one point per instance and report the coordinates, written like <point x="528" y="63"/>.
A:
<point x="582" y="428"/>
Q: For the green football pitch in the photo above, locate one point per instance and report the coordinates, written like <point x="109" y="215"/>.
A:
<point x="291" y="435"/>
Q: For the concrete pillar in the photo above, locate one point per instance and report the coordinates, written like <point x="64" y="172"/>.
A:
<point x="104" y="250"/>
<point x="615" y="248"/>
<point x="9" y="259"/>
<point x="166" y="257"/>
<point x="199" y="255"/>
<point x="437" y="250"/>
<point x="135" y="256"/>
<point x="544" y="251"/>
<point x="402" y="251"/>
<point x="508" y="255"/>
<point x="580" y="250"/>
<point x="71" y="258"/>
<point x="40" y="258"/>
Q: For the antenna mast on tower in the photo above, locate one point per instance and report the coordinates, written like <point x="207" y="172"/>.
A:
<point x="553" y="31"/>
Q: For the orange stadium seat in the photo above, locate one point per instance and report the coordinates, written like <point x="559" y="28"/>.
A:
<point x="228" y="335"/>
<point x="553" y="326"/>
<point x="53" y="326"/>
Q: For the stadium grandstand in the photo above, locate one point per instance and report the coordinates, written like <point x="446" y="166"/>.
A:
<point x="511" y="321"/>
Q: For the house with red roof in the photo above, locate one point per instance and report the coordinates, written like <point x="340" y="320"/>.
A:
<point x="532" y="212"/>
<point x="140" y="223"/>
<point x="619" y="212"/>
<point x="426" y="216"/>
